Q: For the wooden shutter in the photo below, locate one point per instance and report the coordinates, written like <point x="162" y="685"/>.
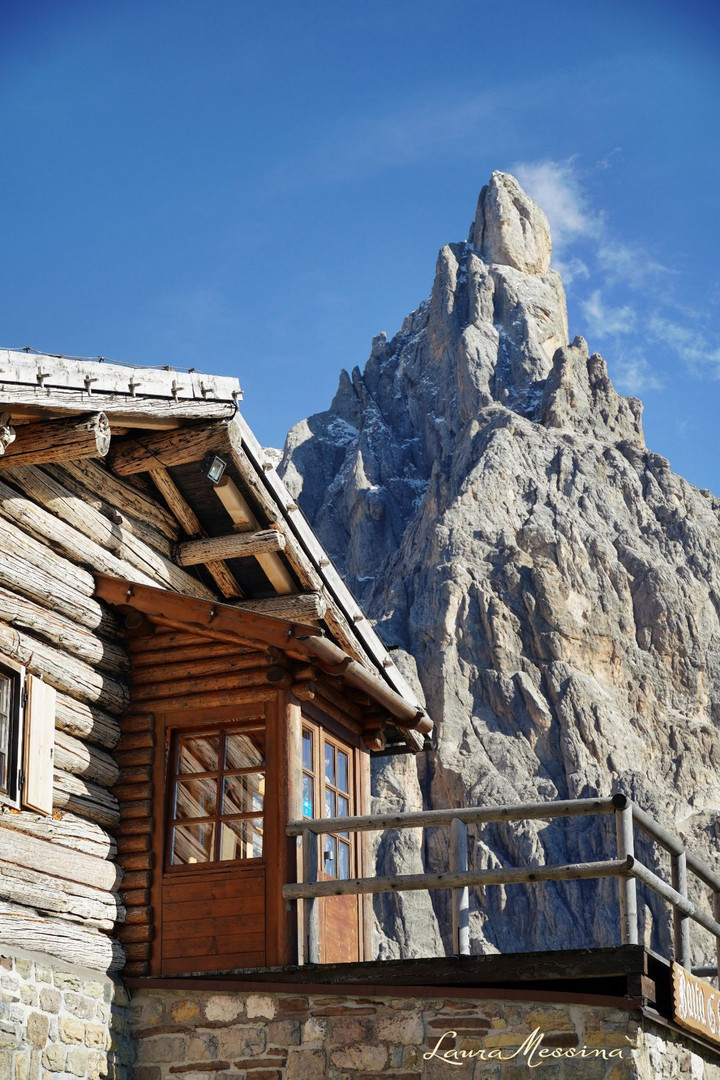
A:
<point x="37" y="791"/>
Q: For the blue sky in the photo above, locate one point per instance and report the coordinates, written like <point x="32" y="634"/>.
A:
<point x="259" y="190"/>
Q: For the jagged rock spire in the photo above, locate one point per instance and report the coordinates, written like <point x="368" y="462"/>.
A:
<point x="550" y="584"/>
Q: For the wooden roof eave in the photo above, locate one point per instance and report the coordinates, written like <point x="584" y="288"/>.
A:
<point x="233" y="623"/>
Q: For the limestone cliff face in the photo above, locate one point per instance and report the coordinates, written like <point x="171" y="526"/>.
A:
<point x="550" y="584"/>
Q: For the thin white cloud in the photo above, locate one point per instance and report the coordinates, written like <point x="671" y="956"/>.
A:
<point x="554" y="185"/>
<point x="633" y="374"/>
<point x="606" y="321"/>
<point x="690" y="344"/>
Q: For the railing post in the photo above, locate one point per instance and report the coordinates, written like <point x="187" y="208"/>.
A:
<point x="460" y="897"/>
<point x="311" y="918"/>
<point x="626" y="885"/>
<point x="681" y="922"/>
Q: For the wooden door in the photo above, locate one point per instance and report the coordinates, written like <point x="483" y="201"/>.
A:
<point x="328" y="790"/>
<point x="213" y="877"/>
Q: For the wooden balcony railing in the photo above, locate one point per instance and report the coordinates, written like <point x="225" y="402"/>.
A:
<point x="625" y="867"/>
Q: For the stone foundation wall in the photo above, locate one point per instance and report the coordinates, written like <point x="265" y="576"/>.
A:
<point x="58" y="1022"/>
<point x="202" y="1035"/>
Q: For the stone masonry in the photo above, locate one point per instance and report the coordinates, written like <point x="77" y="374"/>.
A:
<point x="206" y="1035"/>
<point x="61" y="1023"/>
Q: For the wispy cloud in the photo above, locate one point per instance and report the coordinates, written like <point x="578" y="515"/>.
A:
<point x="555" y="186"/>
<point x="688" y="343"/>
<point x="606" y="321"/>
<point x="633" y="374"/>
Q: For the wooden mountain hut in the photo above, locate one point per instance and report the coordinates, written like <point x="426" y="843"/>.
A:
<point x="182" y="672"/>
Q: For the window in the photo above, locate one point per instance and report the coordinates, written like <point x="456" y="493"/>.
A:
<point x="217" y="797"/>
<point x="327" y="784"/>
<point x="11" y="685"/>
<point x="27" y="739"/>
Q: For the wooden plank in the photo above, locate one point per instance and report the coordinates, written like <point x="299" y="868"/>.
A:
<point x="244" y="520"/>
<point x="176" y="688"/>
<point x="207" y="944"/>
<point x="163" y="646"/>
<point x="236" y="884"/>
<point x="58" y="440"/>
<point x="190" y="524"/>
<point x="39" y="737"/>
<point x="225" y="664"/>
<point x="96" y="479"/>
<point x="213" y="962"/>
<point x="49" y="857"/>
<point x="234" y="546"/>
<point x="181" y="918"/>
<point x="166" y="449"/>
<point x="94" y="379"/>
<point x="220" y="698"/>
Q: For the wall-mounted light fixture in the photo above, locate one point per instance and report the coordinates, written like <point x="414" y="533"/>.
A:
<point x="213" y="467"/>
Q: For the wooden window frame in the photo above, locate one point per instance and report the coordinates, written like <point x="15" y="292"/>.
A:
<point x="195" y="726"/>
<point x="11" y="794"/>
<point x="322" y="738"/>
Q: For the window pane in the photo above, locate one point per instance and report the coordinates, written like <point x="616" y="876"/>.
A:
<point x="243" y="752"/>
<point x="243" y="794"/>
<point x="342" y="781"/>
<point x="307" y="750"/>
<point x="195" y="798"/>
<point x="193" y="844"/>
<point x="330" y="856"/>
<point x="199" y="754"/>
<point x="308" y="797"/>
<point x="343" y="861"/>
<point x="241" y="839"/>
<point x="343" y="806"/>
<point x="329" y="764"/>
<point x="329" y="803"/>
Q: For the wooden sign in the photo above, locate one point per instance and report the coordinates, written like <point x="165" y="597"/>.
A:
<point x="696" y="1004"/>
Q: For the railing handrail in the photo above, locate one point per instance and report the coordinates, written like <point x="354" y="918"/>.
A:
<point x="626" y="867"/>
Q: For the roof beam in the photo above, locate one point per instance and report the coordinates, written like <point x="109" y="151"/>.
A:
<point x="243" y="519"/>
<point x="167" y="448"/>
<point x="234" y="546"/>
<point x="58" y="440"/>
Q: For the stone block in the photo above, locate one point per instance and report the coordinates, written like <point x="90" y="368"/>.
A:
<point x="72" y="1030"/>
<point x="161" y="1048"/>
<point x="42" y="974"/>
<point x="64" y="981"/>
<point x="146" y="1072"/>
<point x="76" y="1061"/>
<point x="314" y="1032"/>
<point x="241" y="1042"/>
<point x="80" y="1006"/>
<point x="28" y="995"/>
<point x="284" y="1033"/>
<point x="260" y="1005"/>
<point x="54" y="1057"/>
<point x="96" y="1036"/>
<point x="305" y="1065"/>
<point x="50" y="1000"/>
<point x="185" y="1010"/>
<point x="24" y="968"/>
<point x="37" y="1029"/>
<point x="92" y="988"/>
<point x="22" y="1066"/>
<point x="403" y="1028"/>
<point x="365" y="1057"/>
<point x="6" y="1063"/>
<point x="225" y="1007"/>
<point x="202" y="1046"/>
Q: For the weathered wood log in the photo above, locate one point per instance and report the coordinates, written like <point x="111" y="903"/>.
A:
<point x="63" y="671"/>
<point x="125" y="793"/>
<point x="136" y="721"/>
<point x="25" y="614"/>
<point x="221" y="698"/>
<point x="135" y="932"/>
<point x="65" y="830"/>
<point x="85" y="798"/>
<point x="135" y="969"/>
<point x="138" y="774"/>
<point x="57" y="896"/>
<point x="199" y="682"/>
<point x="89" y="536"/>
<point x="139" y="914"/>
<point x="45" y="855"/>
<point x="7" y="432"/>
<point x="138" y="860"/>
<point x="86" y="721"/>
<point x="96" y="478"/>
<point x="132" y="811"/>
<point x="59" y="440"/>
<point x="135" y="826"/>
<point x="74" y="756"/>
<point x="244" y="520"/>
<point x="166" y="448"/>
<point x="136" y="899"/>
<point x="137" y="950"/>
<point x="65" y="940"/>
<point x="168" y="670"/>
<point x="137" y="879"/>
<point x="173" y="652"/>
<point x="133" y="843"/>
<point x="124" y="410"/>
<point x="190" y="524"/>
<point x="29" y="567"/>
<point x="100" y="502"/>
<point x="300" y="607"/>
<point x="234" y="546"/>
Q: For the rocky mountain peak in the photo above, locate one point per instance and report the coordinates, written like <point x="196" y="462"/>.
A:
<point x="550" y="585"/>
